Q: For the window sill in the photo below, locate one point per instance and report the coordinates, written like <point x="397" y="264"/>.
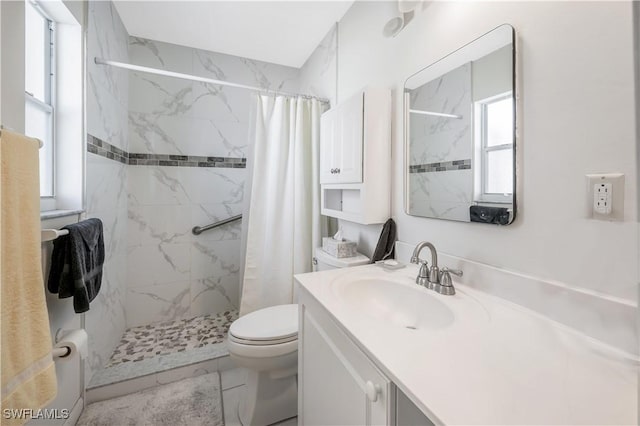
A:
<point x="51" y="214"/>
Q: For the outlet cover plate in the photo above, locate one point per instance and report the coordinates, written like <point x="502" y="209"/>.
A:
<point x="616" y="180"/>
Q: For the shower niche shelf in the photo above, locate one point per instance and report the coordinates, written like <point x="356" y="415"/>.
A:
<point x="355" y="158"/>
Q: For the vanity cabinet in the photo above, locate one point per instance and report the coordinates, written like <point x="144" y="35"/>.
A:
<point x="337" y="383"/>
<point x="355" y="158"/>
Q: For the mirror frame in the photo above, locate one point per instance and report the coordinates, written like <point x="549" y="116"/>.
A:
<point x="516" y="123"/>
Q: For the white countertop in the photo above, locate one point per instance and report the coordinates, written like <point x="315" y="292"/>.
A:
<point x="497" y="363"/>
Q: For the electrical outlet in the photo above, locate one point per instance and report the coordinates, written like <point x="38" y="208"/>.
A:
<point x="606" y="195"/>
<point x="602" y="198"/>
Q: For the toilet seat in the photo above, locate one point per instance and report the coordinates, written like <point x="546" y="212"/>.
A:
<point x="261" y="351"/>
<point x="262" y="342"/>
<point x="266" y="327"/>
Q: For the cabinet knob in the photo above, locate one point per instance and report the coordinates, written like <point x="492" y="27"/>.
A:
<point x="373" y="391"/>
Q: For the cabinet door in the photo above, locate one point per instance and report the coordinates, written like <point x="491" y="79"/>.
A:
<point x="335" y="377"/>
<point x="341" y="142"/>
<point x="329" y="151"/>
<point x="350" y="131"/>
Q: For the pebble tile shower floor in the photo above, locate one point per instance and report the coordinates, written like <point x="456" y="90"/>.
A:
<point x="148" y="341"/>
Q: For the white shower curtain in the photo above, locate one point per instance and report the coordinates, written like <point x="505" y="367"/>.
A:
<point x="282" y="222"/>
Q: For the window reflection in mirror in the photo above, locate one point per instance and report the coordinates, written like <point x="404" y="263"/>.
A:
<point x="494" y="149"/>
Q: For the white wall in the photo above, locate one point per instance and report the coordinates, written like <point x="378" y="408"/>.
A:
<point x="577" y="117"/>
<point x="0" y="61"/>
<point x="12" y="63"/>
<point x="318" y="75"/>
<point x="78" y="9"/>
<point x="636" y="38"/>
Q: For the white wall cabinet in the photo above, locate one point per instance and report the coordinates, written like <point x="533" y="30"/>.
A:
<point x="355" y="158"/>
<point x="338" y="384"/>
<point x="342" y="143"/>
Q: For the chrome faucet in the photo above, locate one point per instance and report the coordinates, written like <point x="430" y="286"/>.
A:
<point x="427" y="275"/>
<point x="432" y="278"/>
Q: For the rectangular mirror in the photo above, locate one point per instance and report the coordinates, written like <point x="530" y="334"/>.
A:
<point x="460" y="143"/>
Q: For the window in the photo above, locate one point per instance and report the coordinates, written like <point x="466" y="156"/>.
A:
<point x="39" y="90"/>
<point x="495" y="148"/>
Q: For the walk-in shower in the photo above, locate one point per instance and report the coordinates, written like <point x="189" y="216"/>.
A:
<point x="167" y="152"/>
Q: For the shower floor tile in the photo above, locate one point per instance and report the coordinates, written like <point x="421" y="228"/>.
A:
<point x="149" y="341"/>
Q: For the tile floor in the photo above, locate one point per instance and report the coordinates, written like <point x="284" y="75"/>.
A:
<point x="193" y="401"/>
<point x="233" y="382"/>
<point x="148" y="341"/>
<point x="144" y="344"/>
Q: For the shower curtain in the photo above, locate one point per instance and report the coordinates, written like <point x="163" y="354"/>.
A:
<point x="282" y="222"/>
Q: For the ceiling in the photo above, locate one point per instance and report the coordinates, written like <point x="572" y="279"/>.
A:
<point x="282" y="32"/>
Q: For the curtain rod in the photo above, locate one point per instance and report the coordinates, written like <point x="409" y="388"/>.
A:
<point x="437" y="114"/>
<point x="183" y="76"/>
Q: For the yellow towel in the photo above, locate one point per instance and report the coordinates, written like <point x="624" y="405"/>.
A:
<point x="28" y="373"/>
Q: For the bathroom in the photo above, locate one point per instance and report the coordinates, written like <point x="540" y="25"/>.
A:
<point x="154" y="128"/>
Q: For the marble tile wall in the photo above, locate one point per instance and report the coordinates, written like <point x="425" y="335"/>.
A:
<point x="318" y="76"/>
<point x="171" y="273"/>
<point x="431" y="136"/>
<point x="107" y="109"/>
<point x="445" y="194"/>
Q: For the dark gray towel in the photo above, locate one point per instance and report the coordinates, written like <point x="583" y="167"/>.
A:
<point x="76" y="263"/>
<point x="386" y="243"/>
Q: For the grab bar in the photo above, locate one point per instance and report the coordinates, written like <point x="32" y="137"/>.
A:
<point x="197" y="230"/>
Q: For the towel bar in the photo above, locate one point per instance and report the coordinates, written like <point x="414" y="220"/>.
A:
<point x="40" y="143"/>
<point x="52" y="234"/>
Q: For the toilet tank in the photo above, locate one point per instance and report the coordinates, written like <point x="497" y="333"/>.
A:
<point x="323" y="261"/>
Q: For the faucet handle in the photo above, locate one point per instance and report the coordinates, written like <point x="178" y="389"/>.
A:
<point x="424" y="268"/>
<point x="457" y="272"/>
<point x="445" y="286"/>
<point x="423" y="275"/>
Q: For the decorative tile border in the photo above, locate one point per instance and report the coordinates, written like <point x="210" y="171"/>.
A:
<point x="441" y="167"/>
<point x="104" y="149"/>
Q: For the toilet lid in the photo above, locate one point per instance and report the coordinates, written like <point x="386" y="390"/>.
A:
<point x="276" y="323"/>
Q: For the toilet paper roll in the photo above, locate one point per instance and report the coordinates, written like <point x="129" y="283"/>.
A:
<point x="75" y="340"/>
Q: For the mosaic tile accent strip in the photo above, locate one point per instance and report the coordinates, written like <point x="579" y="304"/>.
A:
<point x="104" y="149"/>
<point x="149" y="341"/>
<point x="441" y="167"/>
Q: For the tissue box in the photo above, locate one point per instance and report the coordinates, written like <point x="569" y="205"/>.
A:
<point x="339" y="249"/>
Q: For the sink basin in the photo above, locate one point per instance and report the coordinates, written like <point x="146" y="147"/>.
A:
<point x="394" y="303"/>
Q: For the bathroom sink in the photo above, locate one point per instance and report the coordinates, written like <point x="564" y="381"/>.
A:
<point x="394" y="303"/>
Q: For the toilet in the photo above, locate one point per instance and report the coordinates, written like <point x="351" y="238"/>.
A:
<point x="265" y="342"/>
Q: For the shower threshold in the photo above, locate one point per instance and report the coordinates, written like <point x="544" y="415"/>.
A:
<point x="154" y="348"/>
